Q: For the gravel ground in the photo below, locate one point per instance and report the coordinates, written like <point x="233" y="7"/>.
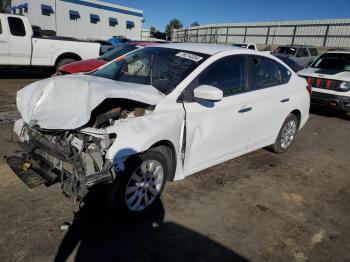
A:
<point x="258" y="207"/>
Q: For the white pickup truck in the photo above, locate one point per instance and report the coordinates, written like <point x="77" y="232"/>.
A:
<point x="19" y="46"/>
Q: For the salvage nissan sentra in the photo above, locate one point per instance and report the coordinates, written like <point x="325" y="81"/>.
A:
<point x="154" y="115"/>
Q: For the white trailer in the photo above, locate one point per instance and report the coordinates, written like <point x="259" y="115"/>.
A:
<point x="84" y="19"/>
<point x="18" y="46"/>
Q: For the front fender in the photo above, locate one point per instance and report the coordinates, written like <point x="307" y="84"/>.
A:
<point x="136" y="135"/>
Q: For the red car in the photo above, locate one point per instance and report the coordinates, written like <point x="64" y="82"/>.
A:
<point x="92" y="64"/>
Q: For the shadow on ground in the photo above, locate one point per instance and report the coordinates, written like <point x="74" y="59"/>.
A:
<point x="25" y="73"/>
<point x="97" y="234"/>
<point x="328" y="112"/>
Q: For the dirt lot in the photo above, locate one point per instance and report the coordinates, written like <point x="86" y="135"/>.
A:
<point x="259" y="207"/>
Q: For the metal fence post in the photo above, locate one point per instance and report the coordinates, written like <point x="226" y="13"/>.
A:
<point x="294" y="32"/>
<point x="226" y="35"/>
<point x="267" y="36"/>
<point x="326" y="35"/>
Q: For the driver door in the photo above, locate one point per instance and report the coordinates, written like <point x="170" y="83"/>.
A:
<point x="216" y="131"/>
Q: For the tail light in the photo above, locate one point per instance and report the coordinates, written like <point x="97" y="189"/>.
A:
<point x="309" y="89"/>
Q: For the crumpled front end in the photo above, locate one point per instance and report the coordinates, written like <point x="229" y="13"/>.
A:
<point x="76" y="159"/>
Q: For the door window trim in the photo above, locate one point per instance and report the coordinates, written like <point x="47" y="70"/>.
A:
<point x="250" y="89"/>
<point x="189" y="88"/>
<point x="10" y="29"/>
<point x="247" y="73"/>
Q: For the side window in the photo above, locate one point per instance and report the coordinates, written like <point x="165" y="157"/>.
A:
<point x="16" y="26"/>
<point x="313" y="51"/>
<point x="0" y="28"/>
<point x="227" y="74"/>
<point x="251" y="47"/>
<point x="265" y="72"/>
<point x="302" y="52"/>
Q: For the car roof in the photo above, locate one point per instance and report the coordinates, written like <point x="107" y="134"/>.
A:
<point x="209" y="49"/>
<point x="245" y="43"/>
<point x="344" y="51"/>
<point x="298" y="46"/>
<point x="142" y="43"/>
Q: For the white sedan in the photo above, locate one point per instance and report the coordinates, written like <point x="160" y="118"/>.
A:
<point x="157" y="114"/>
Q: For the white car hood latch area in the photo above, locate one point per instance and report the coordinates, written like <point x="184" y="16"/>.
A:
<point x="66" y="102"/>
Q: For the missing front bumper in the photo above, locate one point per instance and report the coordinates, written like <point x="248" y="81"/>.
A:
<point x="37" y="172"/>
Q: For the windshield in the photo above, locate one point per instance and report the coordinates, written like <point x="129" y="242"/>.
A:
<point x="285" y="50"/>
<point x="335" y="61"/>
<point x="118" y="51"/>
<point x="240" y="45"/>
<point x="163" y="68"/>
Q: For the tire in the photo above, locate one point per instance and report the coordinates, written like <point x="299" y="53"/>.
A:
<point x="285" y="139"/>
<point x="137" y="191"/>
<point x="64" y="61"/>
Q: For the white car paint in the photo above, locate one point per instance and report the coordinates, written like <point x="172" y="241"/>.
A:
<point x="48" y="97"/>
<point x="34" y="51"/>
<point x="214" y="133"/>
<point x="251" y="46"/>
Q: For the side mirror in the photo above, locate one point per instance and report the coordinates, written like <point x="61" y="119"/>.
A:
<point x="208" y="92"/>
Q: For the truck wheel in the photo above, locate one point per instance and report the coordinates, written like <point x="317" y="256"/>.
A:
<point x="64" y="61"/>
<point x="286" y="135"/>
<point x="141" y="184"/>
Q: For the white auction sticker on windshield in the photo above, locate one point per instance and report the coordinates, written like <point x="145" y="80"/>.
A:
<point x="189" y="56"/>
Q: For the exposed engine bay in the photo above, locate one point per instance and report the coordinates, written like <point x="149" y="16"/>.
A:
<point x="77" y="158"/>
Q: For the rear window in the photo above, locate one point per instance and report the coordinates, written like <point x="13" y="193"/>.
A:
<point x="240" y="45"/>
<point x="285" y="50"/>
<point x="16" y="26"/>
<point x="313" y="52"/>
<point x="302" y="52"/>
<point x="332" y="61"/>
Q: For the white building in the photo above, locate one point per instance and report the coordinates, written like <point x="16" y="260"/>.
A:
<point x="85" y="19"/>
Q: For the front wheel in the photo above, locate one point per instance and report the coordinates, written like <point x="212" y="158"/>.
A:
<point x="141" y="184"/>
<point x="286" y="135"/>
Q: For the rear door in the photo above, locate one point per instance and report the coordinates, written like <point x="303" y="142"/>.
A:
<point x="270" y="99"/>
<point x="20" y="42"/>
<point x="4" y="42"/>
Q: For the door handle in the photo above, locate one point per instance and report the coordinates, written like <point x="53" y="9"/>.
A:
<point x="246" y="109"/>
<point x="3" y="41"/>
<point x="285" y="100"/>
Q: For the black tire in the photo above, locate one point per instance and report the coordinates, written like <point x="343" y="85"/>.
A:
<point x="118" y="195"/>
<point x="65" y="61"/>
<point x="278" y="147"/>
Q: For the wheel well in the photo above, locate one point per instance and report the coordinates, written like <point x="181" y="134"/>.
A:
<point x="168" y="150"/>
<point x="67" y="55"/>
<point x="297" y="113"/>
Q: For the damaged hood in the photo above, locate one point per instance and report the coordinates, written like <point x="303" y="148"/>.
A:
<point x="66" y="102"/>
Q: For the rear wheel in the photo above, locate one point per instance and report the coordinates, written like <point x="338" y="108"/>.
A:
<point x="286" y="135"/>
<point x="64" y="61"/>
<point x="141" y="184"/>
